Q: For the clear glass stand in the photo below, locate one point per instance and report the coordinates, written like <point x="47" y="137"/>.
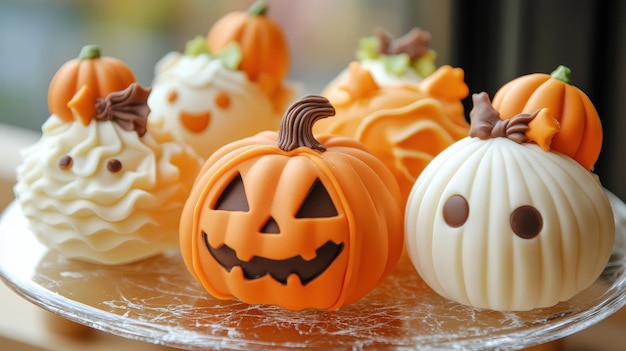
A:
<point x="157" y="301"/>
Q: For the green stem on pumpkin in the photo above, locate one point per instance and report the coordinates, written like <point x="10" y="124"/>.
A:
<point x="296" y="126"/>
<point x="258" y="8"/>
<point x="562" y="73"/>
<point x="89" y="52"/>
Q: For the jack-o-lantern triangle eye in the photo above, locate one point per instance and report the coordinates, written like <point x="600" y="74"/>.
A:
<point x="234" y="197"/>
<point x="317" y="203"/>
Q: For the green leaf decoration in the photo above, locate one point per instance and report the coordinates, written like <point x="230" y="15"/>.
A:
<point x="396" y="64"/>
<point x="425" y="65"/>
<point x="368" y="48"/>
<point x="230" y="56"/>
<point x="196" y="46"/>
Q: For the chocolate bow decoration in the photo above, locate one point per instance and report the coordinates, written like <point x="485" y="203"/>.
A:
<point x="486" y="122"/>
<point x="128" y="108"/>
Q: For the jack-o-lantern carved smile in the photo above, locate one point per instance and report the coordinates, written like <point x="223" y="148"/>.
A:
<point x="258" y="267"/>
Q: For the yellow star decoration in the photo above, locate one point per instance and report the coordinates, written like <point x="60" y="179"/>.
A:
<point x="542" y="128"/>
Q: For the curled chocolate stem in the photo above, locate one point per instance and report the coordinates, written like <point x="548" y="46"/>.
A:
<point x="296" y="126"/>
<point x="128" y="108"/>
<point x="486" y="122"/>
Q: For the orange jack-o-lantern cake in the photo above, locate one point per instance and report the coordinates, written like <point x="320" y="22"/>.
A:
<point x="510" y="217"/>
<point x="98" y="185"/>
<point x="293" y="220"/>
<point x="225" y="86"/>
<point x="404" y="116"/>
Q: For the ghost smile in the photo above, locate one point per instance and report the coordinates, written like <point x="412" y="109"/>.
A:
<point x="280" y="270"/>
<point x="195" y="122"/>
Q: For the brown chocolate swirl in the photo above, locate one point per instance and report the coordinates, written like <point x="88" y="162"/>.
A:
<point x="415" y="43"/>
<point x="296" y="126"/>
<point x="128" y="108"/>
<point x="486" y="122"/>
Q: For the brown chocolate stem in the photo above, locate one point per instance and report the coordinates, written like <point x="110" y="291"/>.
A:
<point x="296" y="126"/>
<point x="486" y="122"/>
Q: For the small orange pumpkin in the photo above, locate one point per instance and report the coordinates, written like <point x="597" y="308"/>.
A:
<point x="580" y="135"/>
<point x="291" y="220"/>
<point x="102" y="75"/>
<point x="263" y="45"/>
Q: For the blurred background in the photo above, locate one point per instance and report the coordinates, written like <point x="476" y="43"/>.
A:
<point x="493" y="41"/>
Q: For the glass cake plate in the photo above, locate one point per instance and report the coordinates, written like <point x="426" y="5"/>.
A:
<point x="157" y="301"/>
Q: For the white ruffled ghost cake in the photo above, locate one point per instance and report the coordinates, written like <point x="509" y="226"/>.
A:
<point x="206" y="102"/>
<point x="102" y="188"/>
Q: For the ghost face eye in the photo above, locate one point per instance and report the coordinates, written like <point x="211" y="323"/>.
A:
<point x="526" y="222"/>
<point x="222" y="100"/>
<point x="114" y="165"/>
<point x="172" y="96"/>
<point x="456" y="211"/>
<point x="65" y="162"/>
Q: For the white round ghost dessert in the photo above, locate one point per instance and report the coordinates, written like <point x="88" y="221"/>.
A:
<point x="206" y="102"/>
<point x="496" y="221"/>
<point x="103" y="188"/>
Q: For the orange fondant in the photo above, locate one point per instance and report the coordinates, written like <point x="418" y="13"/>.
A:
<point x="103" y="75"/>
<point x="580" y="134"/>
<point x="83" y="105"/>
<point x="405" y="125"/>
<point x="361" y="83"/>
<point x="447" y="83"/>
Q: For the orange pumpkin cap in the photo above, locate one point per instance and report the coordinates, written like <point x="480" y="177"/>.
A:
<point x="263" y="45"/>
<point x="291" y="219"/>
<point x="580" y="134"/>
<point x="101" y="76"/>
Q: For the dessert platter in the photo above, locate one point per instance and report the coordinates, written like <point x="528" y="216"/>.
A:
<point x="161" y="214"/>
<point x="156" y="301"/>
